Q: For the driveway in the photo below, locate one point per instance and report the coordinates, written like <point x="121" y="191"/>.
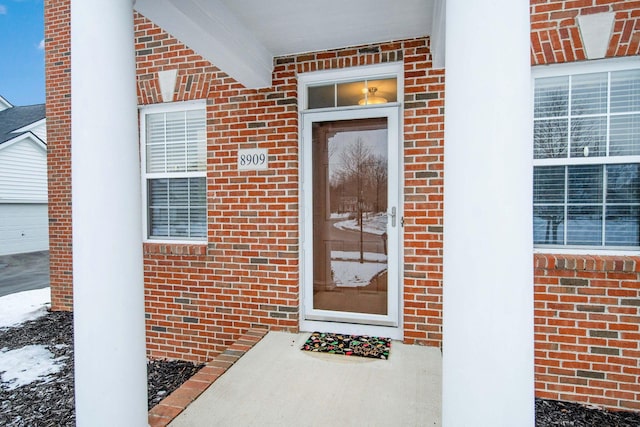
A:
<point x="24" y="272"/>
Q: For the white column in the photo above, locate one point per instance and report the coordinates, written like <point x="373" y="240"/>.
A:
<point x="110" y="359"/>
<point x="488" y="263"/>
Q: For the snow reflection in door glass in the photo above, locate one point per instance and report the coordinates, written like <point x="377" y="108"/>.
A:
<point x="350" y="168"/>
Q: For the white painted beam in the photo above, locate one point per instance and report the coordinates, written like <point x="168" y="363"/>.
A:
<point x="438" y="33"/>
<point x="488" y="376"/>
<point x="215" y="33"/>
<point x="108" y="291"/>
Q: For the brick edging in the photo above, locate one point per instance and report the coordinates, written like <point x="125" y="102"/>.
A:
<point x="171" y="406"/>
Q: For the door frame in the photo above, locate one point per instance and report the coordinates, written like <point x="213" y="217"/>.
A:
<point x="389" y="325"/>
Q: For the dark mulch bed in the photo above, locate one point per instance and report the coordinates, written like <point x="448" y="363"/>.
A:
<point x="565" y="414"/>
<point x="164" y="376"/>
<point x="51" y="403"/>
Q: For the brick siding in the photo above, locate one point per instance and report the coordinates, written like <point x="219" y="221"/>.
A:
<point x="58" y="101"/>
<point x="201" y="298"/>
<point x="555" y="36"/>
<point x="587" y="329"/>
<point x="587" y="319"/>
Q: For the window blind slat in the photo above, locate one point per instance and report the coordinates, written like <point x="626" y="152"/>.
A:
<point x="548" y="225"/>
<point x="584" y="184"/>
<point x="623" y="184"/>
<point x="589" y="94"/>
<point x="158" y="192"/>
<point x="623" y="226"/>
<point x="550" y="138"/>
<point x="625" y="91"/>
<point x="548" y="184"/>
<point x="625" y="135"/>
<point x="588" y="137"/>
<point x="551" y="97"/>
<point x="584" y="225"/>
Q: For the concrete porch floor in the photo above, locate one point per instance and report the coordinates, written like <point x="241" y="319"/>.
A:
<point x="277" y="384"/>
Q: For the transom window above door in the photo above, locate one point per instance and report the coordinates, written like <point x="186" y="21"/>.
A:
<point x="352" y="93"/>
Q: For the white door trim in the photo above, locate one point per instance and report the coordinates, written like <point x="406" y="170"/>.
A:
<point x="389" y="325"/>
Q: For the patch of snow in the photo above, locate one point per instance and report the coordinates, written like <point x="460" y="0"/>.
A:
<point x="24" y="306"/>
<point x="336" y="215"/>
<point x="371" y="223"/>
<point x="349" y="256"/>
<point x="352" y="274"/>
<point x="25" y="365"/>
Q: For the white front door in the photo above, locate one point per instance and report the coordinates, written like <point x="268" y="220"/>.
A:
<point x="351" y="221"/>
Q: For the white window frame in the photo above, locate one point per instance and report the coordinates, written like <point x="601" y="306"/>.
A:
<point x="353" y="74"/>
<point x="576" y="68"/>
<point x="145" y="177"/>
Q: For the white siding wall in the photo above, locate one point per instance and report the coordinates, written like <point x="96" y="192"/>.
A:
<point x="24" y="224"/>
<point x="23" y="228"/>
<point x="23" y="172"/>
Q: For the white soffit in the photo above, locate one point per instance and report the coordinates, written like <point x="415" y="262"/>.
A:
<point x="241" y="37"/>
<point x="596" y="32"/>
<point x="287" y="27"/>
<point x="215" y="33"/>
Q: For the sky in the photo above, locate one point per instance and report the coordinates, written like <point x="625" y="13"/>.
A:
<point x="22" y="51"/>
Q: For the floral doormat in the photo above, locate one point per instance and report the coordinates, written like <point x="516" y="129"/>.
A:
<point x="349" y="345"/>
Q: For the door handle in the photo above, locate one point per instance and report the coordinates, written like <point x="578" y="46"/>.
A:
<point x="393" y="216"/>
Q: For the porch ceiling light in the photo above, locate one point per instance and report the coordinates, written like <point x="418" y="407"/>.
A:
<point x="371" y="98"/>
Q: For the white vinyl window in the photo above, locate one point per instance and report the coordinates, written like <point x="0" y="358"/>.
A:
<point x="587" y="159"/>
<point x="174" y="172"/>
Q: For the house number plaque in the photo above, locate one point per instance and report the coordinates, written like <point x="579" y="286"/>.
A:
<point x="253" y="159"/>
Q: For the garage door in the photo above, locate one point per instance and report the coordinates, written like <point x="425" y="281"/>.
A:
<point x="23" y="228"/>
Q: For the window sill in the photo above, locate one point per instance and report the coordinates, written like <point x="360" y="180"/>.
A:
<point x="174" y="248"/>
<point x="587" y="251"/>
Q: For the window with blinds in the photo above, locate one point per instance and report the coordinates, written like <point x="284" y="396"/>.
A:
<point x="174" y="168"/>
<point x="587" y="160"/>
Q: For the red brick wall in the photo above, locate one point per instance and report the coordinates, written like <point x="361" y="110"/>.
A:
<point x="587" y="319"/>
<point x="555" y="36"/>
<point x="200" y="298"/>
<point x="58" y="100"/>
<point x="587" y="325"/>
<point x="423" y="196"/>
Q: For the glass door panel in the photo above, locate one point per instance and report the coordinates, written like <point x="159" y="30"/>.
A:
<point x="350" y="171"/>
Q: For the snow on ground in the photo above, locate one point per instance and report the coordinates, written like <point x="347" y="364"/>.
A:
<point x="22" y="366"/>
<point x="336" y="215"/>
<point x="349" y="256"/>
<point x="27" y="364"/>
<point x="23" y="306"/>
<point x="352" y="274"/>
<point x="373" y="224"/>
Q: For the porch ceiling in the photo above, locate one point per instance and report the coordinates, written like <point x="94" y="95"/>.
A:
<point x="242" y="36"/>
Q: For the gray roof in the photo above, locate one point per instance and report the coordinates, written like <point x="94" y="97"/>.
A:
<point x="17" y="117"/>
